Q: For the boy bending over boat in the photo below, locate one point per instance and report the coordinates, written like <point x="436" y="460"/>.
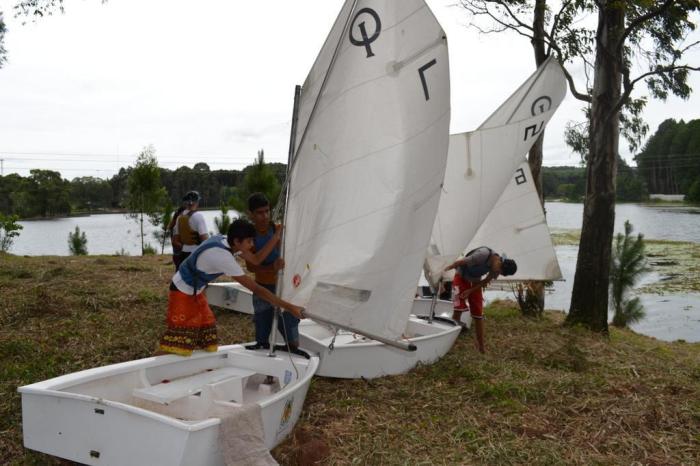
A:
<point x="468" y="283"/>
<point x="191" y="323"/>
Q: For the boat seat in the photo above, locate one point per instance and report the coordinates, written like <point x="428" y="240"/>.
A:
<point x="167" y="392"/>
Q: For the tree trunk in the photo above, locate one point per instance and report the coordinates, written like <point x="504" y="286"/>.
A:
<point x="534" y="292"/>
<point x="142" y="253"/>
<point x="589" y="299"/>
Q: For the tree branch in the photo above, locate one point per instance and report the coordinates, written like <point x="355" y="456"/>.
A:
<point x="572" y="87"/>
<point x="629" y="84"/>
<point x="664" y="69"/>
<point x="640" y="20"/>
<point x="555" y="23"/>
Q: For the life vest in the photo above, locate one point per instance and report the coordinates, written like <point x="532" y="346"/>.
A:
<point x="476" y="271"/>
<point x="261" y="240"/>
<point x="187" y="234"/>
<point x="188" y="269"/>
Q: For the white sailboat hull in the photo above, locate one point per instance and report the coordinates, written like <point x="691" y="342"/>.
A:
<point x="117" y="414"/>
<point x="354" y="356"/>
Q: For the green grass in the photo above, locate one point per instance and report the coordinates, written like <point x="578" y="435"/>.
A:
<point x="543" y="394"/>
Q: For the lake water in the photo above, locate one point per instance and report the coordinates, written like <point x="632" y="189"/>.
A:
<point x="669" y="317"/>
<point x="106" y="234"/>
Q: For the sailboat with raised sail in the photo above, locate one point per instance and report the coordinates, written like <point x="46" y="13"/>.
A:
<point x="372" y="141"/>
<point x="482" y="163"/>
<point x="517" y="225"/>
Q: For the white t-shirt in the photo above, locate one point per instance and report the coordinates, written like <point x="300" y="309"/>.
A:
<point x="213" y="260"/>
<point x="197" y="223"/>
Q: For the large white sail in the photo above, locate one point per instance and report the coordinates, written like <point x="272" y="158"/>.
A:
<point x="370" y="160"/>
<point x="481" y="163"/>
<point x="517" y="226"/>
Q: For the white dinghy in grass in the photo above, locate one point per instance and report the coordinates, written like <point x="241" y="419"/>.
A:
<point x="488" y="197"/>
<point x="154" y="411"/>
<point x="349" y="355"/>
<point x="353" y="355"/>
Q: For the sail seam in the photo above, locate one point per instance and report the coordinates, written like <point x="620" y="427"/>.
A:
<point x="370" y="154"/>
<point x="406" y="200"/>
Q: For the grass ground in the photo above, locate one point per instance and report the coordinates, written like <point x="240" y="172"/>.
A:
<point x="543" y="393"/>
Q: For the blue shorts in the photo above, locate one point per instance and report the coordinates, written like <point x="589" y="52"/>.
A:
<point x="288" y="325"/>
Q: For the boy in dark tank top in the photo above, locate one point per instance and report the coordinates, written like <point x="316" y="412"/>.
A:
<point x="468" y="284"/>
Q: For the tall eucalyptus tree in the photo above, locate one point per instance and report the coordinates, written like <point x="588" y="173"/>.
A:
<point x="632" y="42"/>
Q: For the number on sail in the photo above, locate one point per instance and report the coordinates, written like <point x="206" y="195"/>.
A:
<point x="421" y="72"/>
<point x="520" y="177"/>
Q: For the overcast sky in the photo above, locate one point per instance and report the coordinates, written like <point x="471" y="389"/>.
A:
<point x="212" y="81"/>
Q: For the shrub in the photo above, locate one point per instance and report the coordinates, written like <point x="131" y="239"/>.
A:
<point x="9" y="229"/>
<point x="77" y="242"/>
<point x="628" y="265"/>
<point x="149" y="250"/>
<point x="694" y="192"/>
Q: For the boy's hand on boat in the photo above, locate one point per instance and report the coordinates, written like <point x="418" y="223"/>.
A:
<point x="296" y="311"/>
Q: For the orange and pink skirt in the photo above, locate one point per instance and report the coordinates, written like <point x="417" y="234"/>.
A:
<point x="191" y="325"/>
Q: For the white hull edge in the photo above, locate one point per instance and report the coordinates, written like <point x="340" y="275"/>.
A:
<point x="95" y="417"/>
<point x="355" y="357"/>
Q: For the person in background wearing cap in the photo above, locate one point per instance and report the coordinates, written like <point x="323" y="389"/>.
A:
<point x="190" y="229"/>
<point x="468" y="283"/>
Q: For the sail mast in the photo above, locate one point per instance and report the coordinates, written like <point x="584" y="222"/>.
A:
<point x="284" y="195"/>
<point x="371" y="148"/>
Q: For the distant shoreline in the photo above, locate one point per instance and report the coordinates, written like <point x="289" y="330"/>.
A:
<point x="95" y="212"/>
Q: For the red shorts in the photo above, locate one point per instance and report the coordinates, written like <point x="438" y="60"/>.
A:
<point x="474" y="302"/>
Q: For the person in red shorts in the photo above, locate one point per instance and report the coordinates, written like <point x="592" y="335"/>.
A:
<point x="478" y="267"/>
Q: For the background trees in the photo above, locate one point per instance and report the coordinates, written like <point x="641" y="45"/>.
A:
<point x="145" y="192"/>
<point x="2" y="41"/>
<point x="647" y="37"/>
<point x="90" y="194"/>
<point x="669" y="163"/>
<point x="259" y="177"/>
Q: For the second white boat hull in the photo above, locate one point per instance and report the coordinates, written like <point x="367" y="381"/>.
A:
<point x="108" y="416"/>
<point x="353" y="356"/>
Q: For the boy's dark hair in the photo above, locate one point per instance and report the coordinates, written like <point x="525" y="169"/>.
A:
<point x="240" y="229"/>
<point x="508" y="267"/>
<point x="257" y="200"/>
